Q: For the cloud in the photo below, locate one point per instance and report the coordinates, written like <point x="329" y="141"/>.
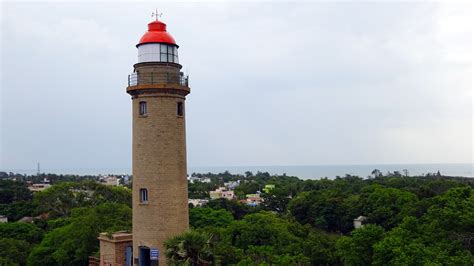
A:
<point x="279" y="83"/>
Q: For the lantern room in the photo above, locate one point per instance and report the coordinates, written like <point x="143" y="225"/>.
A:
<point x="157" y="45"/>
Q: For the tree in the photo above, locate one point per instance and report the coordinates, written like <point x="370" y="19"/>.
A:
<point x="275" y="200"/>
<point x="376" y="173"/>
<point x="76" y="236"/>
<point x="13" y="191"/>
<point x="453" y="214"/>
<point x="15" y="200"/>
<point x="442" y="236"/>
<point x="13" y="251"/>
<point x="60" y="199"/>
<point x="237" y="209"/>
<point x="21" y="231"/>
<point x="17" y="210"/>
<point x="190" y="248"/>
<point x="358" y="248"/>
<point x="386" y="206"/>
<point x="325" y="209"/>
<point x="201" y="217"/>
<point x="415" y="243"/>
<point x="265" y="229"/>
<point x="405" y="172"/>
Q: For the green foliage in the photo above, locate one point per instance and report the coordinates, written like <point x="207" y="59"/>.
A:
<point x="249" y="187"/>
<point x="326" y="209"/>
<point x="201" y="217"/>
<point x="427" y="221"/>
<point x="386" y="206"/>
<point x="276" y="200"/>
<point x="12" y="191"/>
<point x="320" y="247"/>
<point x="60" y="199"/>
<point x="13" y="251"/>
<point x="454" y="212"/>
<point x="72" y="243"/>
<point x="415" y="243"/>
<point x="200" y="190"/>
<point x="260" y="238"/>
<point x="360" y="242"/>
<point x="21" y="231"/>
<point x="442" y="236"/>
<point x="261" y="229"/>
<point x="237" y="209"/>
<point x="17" y="210"/>
<point x="190" y="248"/>
<point x="15" y="200"/>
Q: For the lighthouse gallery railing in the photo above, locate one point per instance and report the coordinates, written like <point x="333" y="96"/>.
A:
<point x="135" y="79"/>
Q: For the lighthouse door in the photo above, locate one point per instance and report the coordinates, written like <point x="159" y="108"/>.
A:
<point x="144" y="259"/>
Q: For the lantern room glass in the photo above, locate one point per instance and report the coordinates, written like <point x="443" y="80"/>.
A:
<point x="157" y="52"/>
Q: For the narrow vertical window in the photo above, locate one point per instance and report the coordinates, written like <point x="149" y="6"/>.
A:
<point x="180" y="109"/>
<point x="143" y="195"/>
<point x="143" y="108"/>
<point x="163" y="53"/>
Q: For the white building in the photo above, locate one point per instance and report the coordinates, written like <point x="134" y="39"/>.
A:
<point x="38" y="187"/>
<point x="110" y="180"/>
<point x="358" y="221"/>
<point x="193" y="179"/>
<point x="232" y="184"/>
<point x="198" y="202"/>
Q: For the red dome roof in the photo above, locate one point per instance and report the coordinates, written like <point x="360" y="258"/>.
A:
<point x="156" y="34"/>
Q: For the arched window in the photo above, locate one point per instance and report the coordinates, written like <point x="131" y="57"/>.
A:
<point x="180" y="109"/>
<point x="143" y="195"/>
<point x="142" y="108"/>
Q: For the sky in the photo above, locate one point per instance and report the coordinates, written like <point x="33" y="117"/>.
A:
<point x="287" y="83"/>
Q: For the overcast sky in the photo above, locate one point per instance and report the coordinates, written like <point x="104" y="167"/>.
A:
<point x="271" y="83"/>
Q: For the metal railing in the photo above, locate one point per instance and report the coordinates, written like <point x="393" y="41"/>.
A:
<point x="135" y="79"/>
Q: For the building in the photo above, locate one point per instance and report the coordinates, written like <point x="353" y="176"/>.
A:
<point x="115" y="249"/>
<point x="221" y="193"/>
<point x="231" y="185"/>
<point x="198" y="202"/>
<point x="158" y="90"/>
<point x="358" y="222"/>
<point x="38" y="187"/>
<point x="253" y="199"/>
<point x="110" y="180"/>
<point x="193" y="179"/>
<point x="3" y="219"/>
<point x="268" y="188"/>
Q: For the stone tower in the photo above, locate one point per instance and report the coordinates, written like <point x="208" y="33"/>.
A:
<point x="160" y="189"/>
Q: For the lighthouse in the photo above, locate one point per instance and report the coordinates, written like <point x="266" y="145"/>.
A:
<point x="158" y="90"/>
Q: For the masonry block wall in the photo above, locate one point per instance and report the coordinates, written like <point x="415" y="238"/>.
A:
<point x="159" y="162"/>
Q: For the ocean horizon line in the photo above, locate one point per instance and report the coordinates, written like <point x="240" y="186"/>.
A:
<point x="301" y="171"/>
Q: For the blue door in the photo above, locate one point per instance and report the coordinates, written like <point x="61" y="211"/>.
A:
<point x="144" y="259"/>
<point x="128" y="256"/>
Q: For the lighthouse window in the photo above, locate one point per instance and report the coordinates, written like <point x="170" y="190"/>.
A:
<point x="180" y="108"/>
<point x="143" y="195"/>
<point x="157" y="52"/>
<point x="142" y="110"/>
<point x="168" y="53"/>
<point x="163" y="48"/>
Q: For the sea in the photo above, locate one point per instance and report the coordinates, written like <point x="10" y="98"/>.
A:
<point x="300" y="171"/>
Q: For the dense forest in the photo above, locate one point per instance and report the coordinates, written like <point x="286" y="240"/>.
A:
<point x="424" y="220"/>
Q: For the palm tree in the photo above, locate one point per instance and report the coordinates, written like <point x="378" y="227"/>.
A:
<point x="191" y="248"/>
<point x="376" y="173"/>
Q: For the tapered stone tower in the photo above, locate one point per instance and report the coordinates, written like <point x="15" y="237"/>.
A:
<point x="160" y="190"/>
